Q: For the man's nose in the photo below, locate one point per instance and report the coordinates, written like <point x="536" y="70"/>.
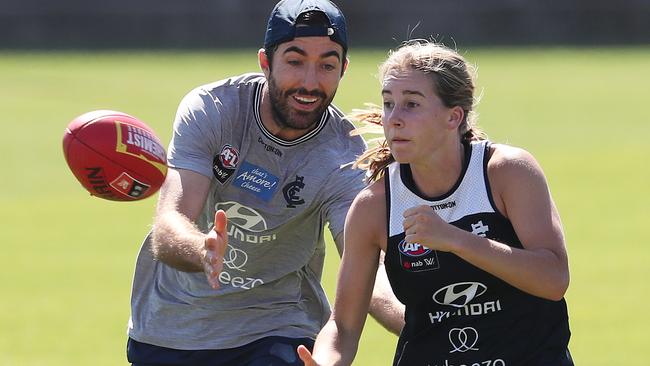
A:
<point x="310" y="78"/>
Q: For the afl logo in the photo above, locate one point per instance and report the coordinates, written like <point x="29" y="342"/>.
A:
<point x="229" y="157"/>
<point x="413" y="249"/>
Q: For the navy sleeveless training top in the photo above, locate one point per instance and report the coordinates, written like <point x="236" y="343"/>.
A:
<point x="456" y="313"/>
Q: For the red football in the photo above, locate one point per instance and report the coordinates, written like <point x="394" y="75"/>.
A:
<point x="114" y="155"/>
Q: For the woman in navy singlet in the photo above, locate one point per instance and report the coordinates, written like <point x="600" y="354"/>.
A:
<point x="473" y="241"/>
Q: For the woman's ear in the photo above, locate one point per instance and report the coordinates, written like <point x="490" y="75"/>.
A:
<point x="456" y="117"/>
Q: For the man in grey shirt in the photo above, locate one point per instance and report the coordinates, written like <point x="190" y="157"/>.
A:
<point x="260" y="163"/>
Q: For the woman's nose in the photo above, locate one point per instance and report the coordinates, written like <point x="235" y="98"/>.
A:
<point x="395" y="117"/>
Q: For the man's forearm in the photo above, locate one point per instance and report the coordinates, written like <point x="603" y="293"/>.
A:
<point x="177" y="242"/>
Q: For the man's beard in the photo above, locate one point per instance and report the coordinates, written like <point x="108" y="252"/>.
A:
<point x="288" y="117"/>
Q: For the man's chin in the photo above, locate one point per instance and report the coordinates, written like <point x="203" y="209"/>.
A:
<point x="304" y="121"/>
<point x="306" y="126"/>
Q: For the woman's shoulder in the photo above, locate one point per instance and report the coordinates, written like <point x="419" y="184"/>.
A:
<point x="367" y="217"/>
<point x="374" y="192"/>
<point x="371" y="201"/>
<point x="513" y="173"/>
<point x="510" y="165"/>
<point x="508" y="158"/>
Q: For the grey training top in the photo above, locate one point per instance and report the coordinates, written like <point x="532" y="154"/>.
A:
<point x="278" y="196"/>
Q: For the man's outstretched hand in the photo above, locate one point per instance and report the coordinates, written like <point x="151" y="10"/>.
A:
<point x="214" y="248"/>
<point x="305" y="356"/>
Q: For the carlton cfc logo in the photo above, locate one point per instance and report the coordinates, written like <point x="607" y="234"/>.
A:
<point x="413" y="249"/>
<point x="229" y="157"/>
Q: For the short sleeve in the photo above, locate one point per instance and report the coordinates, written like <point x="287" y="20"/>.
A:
<point x="197" y="133"/>
<point x="344" y="185"/>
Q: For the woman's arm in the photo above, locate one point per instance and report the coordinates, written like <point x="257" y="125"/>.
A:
<point x="521" y="193"/>
<point x="337" y="342"/>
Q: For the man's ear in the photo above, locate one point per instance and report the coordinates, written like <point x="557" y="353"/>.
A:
<point x="346" y="62"/>
<point x="264" y="62"/>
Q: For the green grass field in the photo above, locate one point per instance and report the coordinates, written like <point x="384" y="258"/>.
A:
<point x="67" y="258"/>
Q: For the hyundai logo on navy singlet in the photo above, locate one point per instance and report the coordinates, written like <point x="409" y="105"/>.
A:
<point x="415" y="257"/>
<point x="459" y="294"/>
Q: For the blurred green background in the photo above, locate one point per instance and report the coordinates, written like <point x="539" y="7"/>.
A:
<point x="67" y="258"/>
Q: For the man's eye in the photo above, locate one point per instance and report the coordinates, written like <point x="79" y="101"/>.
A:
<point x="388" y="105"/>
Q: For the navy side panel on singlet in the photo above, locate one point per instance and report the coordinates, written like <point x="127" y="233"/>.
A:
<point x="456" y="313"/>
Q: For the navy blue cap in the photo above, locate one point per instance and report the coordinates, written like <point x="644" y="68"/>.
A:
<point x="282" y="22"/>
